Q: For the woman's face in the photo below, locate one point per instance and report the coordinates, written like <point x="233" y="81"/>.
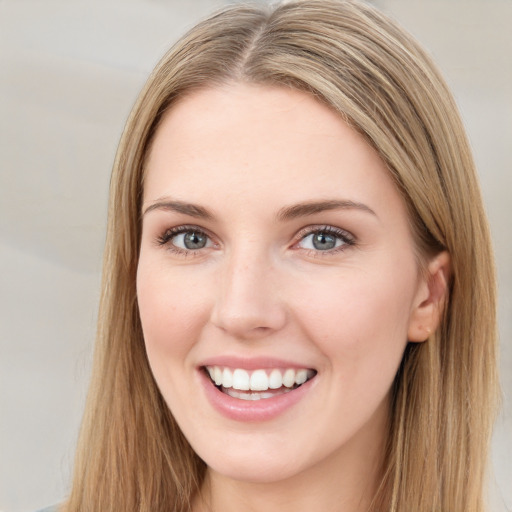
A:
<point x="276" y="256"/>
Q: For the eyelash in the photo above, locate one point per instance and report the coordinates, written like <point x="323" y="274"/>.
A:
<point x="166" y="239"/>
<point x="346" y="238"/>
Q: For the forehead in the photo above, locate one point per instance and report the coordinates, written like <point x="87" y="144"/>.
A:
<point x="260" y="142"/>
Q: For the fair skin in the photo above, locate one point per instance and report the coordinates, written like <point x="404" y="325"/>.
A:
<point x="274" y="239"/>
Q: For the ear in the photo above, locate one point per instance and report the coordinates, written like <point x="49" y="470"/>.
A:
<point x="430" y="300"/>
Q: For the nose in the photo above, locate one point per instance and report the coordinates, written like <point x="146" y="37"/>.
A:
<point x="248" y="304"/>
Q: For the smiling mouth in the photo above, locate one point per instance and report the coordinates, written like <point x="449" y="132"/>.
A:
<point x="257" y="384"/>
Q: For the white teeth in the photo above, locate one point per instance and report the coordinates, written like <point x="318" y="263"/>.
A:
<point x="289" y="378"/>
<point x="253" y="396"/>
<point x="275" y="380"/>
<point x="257" y="380"/>
<point x="227" y="378"/>
<point x="240" y="380"/>
<point x="217" y="376"/>
<point x="301" y="376"/>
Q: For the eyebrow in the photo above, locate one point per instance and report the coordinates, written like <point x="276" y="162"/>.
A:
<point x="287" y="213"/>
<point x="310" y="208"/>
<point x="193" y="210"/>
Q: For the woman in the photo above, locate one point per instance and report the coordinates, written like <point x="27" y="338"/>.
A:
<point x="298" y="302"/>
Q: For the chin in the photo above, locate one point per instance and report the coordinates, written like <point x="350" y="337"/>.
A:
<point x="256" y="471"/>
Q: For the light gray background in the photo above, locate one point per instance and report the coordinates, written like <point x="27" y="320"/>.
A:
<point x="69" y="73"/>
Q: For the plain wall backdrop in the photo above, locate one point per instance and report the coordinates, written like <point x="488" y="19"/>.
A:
<point x="70" y="71"/>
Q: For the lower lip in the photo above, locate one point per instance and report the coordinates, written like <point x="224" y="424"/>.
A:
<point x="264" y="409"/>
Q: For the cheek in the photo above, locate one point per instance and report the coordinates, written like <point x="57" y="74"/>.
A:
<point x="359" y="321"/>
<point x="172" y="312"/>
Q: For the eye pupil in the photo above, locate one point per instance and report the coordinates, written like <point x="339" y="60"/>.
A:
<point x="324" y="241"/>
<point x="194" y="240"/>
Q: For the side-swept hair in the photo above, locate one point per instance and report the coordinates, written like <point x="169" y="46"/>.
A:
<point x="131" y="455"/>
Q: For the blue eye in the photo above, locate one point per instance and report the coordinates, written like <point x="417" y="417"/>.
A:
<point x="185" y="239"/>
<point x="325" y="239"/>
<point x="190" y="240"/>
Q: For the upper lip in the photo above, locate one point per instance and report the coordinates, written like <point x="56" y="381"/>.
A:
<point x="252" y="363"/>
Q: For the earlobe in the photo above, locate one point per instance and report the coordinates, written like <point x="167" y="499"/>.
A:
<point x="430" y="299"/>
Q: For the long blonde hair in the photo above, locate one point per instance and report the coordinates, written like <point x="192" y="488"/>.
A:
<point x="131" y="454"/>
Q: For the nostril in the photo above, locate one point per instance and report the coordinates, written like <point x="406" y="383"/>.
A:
<point x="249" y="326"/>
